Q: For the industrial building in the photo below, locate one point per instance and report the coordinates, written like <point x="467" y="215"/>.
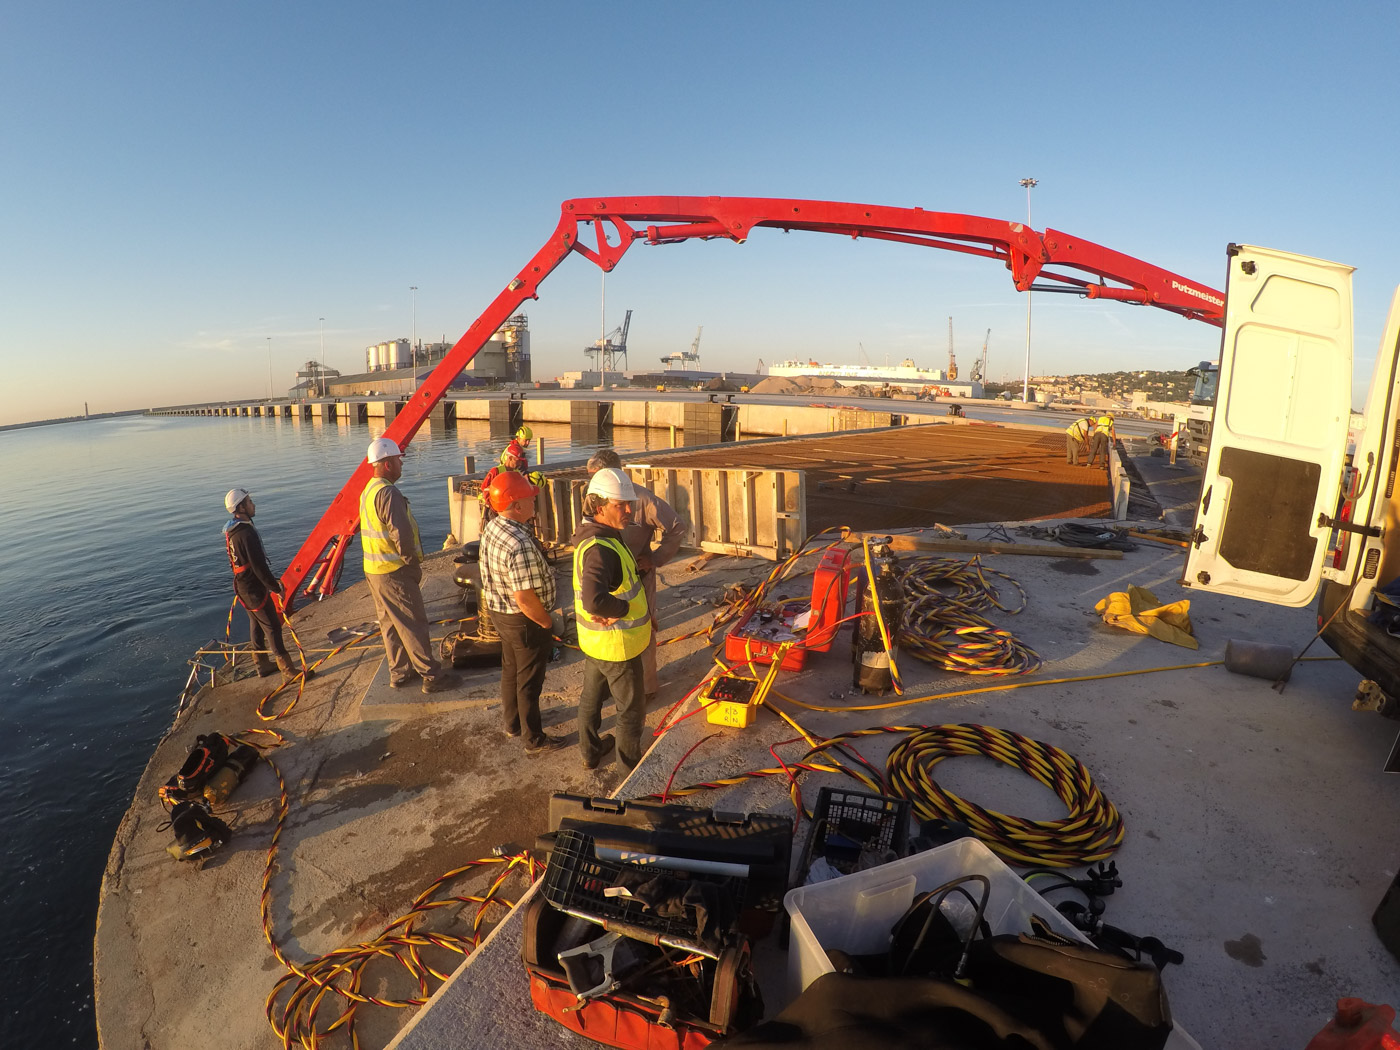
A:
<point x="393" y="367"/>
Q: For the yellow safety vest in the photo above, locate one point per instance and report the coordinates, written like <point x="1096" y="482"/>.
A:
<point x="626" y="638"/>
<point x="381" y="555"/>
<point x="1079" y="429"/>
<point x="1105" y="425"/>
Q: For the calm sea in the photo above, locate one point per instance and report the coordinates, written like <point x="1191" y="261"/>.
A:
<point x="113" y="573"/>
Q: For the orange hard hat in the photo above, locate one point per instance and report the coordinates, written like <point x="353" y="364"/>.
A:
<point x="507" y="487"/>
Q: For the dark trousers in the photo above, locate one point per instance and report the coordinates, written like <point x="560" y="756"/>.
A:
<point x="265" y="625"/>
<point x="1098" y="448"/>
<point x="622" y="680"/>
<point x="1074" y="450"/>
<point x="525" y="649"/>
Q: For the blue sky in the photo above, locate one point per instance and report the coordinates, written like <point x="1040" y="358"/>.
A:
<point x="182" y="181"/>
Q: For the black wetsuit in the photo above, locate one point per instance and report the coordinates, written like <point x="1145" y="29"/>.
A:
<point x="254" y="584"/>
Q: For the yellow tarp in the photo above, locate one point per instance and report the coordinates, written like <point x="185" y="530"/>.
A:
<point x="1139" y="611"/>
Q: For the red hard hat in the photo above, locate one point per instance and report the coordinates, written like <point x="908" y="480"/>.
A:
<point x="507" y="487"/>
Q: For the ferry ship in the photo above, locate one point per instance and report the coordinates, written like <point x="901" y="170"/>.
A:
<point x="906" y="373"/>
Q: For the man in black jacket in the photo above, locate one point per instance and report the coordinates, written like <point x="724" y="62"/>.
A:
<point x="254" y="585"/>
<point x="613" y="622"/>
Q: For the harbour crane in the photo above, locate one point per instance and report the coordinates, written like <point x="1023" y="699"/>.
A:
<point x="952" y="361"/>
<point x="979" y="367"/>
<point x="686" y="357"/>
<point x="609" y="354"/>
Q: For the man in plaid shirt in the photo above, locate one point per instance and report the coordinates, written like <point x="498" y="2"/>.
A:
<point x="518" y="587"/>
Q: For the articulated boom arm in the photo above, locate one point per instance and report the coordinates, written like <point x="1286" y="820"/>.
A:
<point x="1068" y="263"/>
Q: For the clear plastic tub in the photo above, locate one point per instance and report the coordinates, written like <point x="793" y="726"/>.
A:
<point x="855" y="912"/>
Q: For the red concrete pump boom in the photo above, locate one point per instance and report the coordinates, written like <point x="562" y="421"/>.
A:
<point x="1068" y="263"/>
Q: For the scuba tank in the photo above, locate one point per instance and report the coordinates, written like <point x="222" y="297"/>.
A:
<point x="232" y="773"/>
<point x="210" y="752"/>
<point x="871" y="661"/>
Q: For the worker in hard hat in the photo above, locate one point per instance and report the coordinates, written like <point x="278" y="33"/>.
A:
<point x="518" y="587"/>
<point x="393" y="557"/>
<point x="1103" y="438"/>
<point x="614" y="624"/>
<point x="654" y="537"/>
<point x="254" y="585"/>
<point x="1077" y="440"/>
<point x="510" y="460"/>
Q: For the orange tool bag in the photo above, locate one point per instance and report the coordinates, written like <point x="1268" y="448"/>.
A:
<point x="644" y="956"/>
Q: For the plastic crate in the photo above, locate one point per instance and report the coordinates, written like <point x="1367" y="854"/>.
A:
<point x="856" y="912"/>
<point x="576" y="881"/>
<point x="847" y="824"/>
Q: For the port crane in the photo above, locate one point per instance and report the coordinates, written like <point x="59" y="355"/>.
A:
<point x="686" y="357"/>
<point x="979" y="367"/>
<point x="952" y="361"/>
<point x="609" y="354"/>
<point x="603" y="230"/>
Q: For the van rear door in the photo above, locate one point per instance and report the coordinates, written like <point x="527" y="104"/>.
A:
<point x="1278" y="439"/>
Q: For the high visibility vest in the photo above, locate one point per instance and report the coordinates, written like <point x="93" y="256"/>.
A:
<point x="626" y="638"/>
<point x="1105" y="425"/>
<point x="1079" y="429"/>
<point x="381" y="555"/>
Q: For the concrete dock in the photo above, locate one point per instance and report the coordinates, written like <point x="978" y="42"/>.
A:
<point x="1256" y="821"/>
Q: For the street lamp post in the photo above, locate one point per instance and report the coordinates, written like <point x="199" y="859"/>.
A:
<point x="269" y="368"/>
<point x="414" y="290"/>
<point x="1030" y="184"/>
<point x="321" y="360"/>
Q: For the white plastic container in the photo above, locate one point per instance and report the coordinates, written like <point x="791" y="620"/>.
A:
<point x="856" y="912"/>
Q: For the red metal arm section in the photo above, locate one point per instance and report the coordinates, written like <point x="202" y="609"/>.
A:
<point x="1078" y="265"/>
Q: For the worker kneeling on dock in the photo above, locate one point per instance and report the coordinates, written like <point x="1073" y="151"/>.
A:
<point x="614" y="624"/>
<point x="393" y="556"/>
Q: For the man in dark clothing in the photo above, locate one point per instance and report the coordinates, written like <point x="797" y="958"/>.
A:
<point x="518" y="587"/>
<point x="614" y="624"/>
<point x="652" y="520"/>
<point x="254" y="585"/>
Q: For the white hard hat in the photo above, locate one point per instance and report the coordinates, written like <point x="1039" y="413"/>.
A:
<point x="611" y="483"/>
<point x="234" y="498"/>
<point x="381" y="449"/>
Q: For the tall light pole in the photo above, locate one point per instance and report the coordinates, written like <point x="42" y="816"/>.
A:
<point x="321" y="360"/>
<point x="414" y="348"/>
<point x="269" y="368"/>
<point x="1030" y="184"/>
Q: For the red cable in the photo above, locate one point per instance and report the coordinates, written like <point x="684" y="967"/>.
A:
<point x="671" y="779"/>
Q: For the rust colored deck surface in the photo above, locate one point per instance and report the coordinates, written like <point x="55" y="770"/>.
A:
<point x="948" y="474"/>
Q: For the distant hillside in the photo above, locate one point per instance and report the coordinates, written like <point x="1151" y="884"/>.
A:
<point x="1159" y="386"/>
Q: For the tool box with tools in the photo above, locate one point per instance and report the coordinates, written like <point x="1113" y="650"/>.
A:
<point x="639" y="936"/>
<point x="758" y="636"/>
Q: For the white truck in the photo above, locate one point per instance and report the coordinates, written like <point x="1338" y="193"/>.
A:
<point x="1299" y="495"/>
<point x="1193" y="426"/>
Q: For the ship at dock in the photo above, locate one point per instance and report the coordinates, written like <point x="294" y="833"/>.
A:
<point x="906" y="376"/>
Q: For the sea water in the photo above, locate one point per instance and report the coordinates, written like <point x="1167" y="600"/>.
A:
<point x="113" y="573"/>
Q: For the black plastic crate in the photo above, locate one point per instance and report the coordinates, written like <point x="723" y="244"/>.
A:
<point x="847" y="825"/>
<point x="577" y="881"/>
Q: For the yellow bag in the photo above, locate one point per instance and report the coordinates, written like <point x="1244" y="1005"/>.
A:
<point x="1139" y="611"/>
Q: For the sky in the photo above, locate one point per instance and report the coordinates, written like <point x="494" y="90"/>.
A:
<point x="195" y="195"/>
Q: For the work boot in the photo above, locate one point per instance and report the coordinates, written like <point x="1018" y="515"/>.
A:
<point x="439" y="682"/>
<point x="606" y="743"/>
<point x="291" y="672"/>
<point x="265" y="665"/>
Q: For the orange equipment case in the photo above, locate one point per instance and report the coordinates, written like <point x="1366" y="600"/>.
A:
<point x="745" y="645"/>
